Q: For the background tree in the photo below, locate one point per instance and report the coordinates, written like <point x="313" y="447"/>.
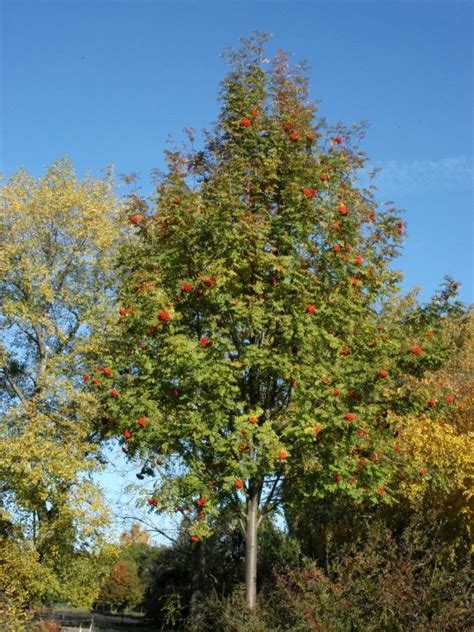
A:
<point x="138" y="551"/>
<point x="261" y="335"/>
<point x="135" y="535"/>
<point x="445" y="444"/>
<point x="122" y="589"/>
<point x="58" y="235"/>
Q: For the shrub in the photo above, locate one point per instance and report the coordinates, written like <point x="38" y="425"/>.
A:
<point x="388" y="584"/>
<point x="405" y="585"/>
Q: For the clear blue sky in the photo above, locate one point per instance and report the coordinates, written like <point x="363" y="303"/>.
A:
<point x="108" y="82"/>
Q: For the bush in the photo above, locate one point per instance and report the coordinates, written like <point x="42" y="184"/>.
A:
<point x="404" y="586"/>
<point x="228" y="614"/>
<point x="183" y="574"/>
<point x="386" y="585"/>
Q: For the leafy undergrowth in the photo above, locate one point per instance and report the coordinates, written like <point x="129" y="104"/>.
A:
<point x="400" y="586"/>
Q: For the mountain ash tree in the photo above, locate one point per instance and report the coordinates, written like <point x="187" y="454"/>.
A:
<point x="260" y="332"/>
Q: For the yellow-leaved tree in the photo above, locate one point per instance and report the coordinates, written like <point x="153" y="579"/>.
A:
<point x="445" y="446"/>
<point x="58" y="238"/>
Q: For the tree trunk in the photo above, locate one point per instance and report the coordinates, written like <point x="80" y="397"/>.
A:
<point x="251" y="549"/>
<point x="197" y="579"/>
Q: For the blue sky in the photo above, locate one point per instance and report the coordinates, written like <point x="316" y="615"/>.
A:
<point x="108" y="82"/>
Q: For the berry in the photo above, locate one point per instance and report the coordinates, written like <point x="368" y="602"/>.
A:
<point x="136" y="219"/>
<point x="142" y="422"/>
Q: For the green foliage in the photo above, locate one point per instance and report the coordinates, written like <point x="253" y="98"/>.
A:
<point x="381" y="583"/>
<point x="443" y="444"/>
<point x="82" y="577"/>
<point x="261" y="336"/>
<point x="171" y="584"/>
<point x="145" y="558"/>
<point x="384" y="585"/>
<point x="23" y="581"/>
<point x="122" y="589"/>
<point x="260" y="350"/>
<point x="168" y="594"/>
<point x="228" y="615"/>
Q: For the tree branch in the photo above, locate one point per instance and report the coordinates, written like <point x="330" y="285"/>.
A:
<point x="16" y="388"/>
<point x="269" y="497"/>
<point x="151" y="527"/>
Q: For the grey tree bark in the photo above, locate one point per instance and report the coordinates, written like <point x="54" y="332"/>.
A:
<point x="251" y="548"/>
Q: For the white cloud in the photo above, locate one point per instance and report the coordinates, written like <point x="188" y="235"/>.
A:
<point x="447" y="174"/>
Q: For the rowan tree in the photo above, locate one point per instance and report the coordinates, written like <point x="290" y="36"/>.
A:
<point x="260" y="331"/>
<point x="58" y="235"/>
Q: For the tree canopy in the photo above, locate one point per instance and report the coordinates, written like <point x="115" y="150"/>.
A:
<point x="58" y="235"/>
<point x="261" y="333"/>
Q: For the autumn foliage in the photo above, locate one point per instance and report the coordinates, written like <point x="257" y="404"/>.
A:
<point x="243" y="337"/>
<point x="259" y="285"/>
